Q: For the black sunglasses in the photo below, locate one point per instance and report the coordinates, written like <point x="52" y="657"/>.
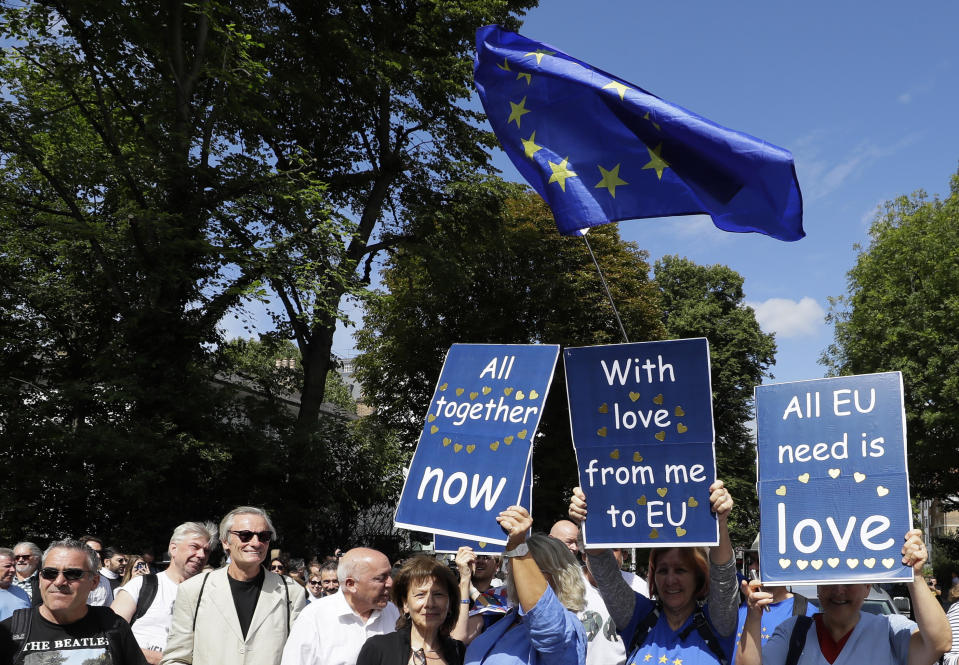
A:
<point x="17" y="557"/>
<point x="277" y="566"/>
<point x="246" y="536"/>
<point x="315" y="583"/>
<point x="71" y="574"/>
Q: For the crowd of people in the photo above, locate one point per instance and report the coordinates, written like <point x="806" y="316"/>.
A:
<point x="545" y="600"/>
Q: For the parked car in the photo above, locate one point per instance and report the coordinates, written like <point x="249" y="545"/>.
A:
<point x="877" y="602"/>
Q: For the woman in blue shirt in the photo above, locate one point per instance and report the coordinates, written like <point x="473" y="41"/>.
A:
<point x="546" y="587"/>
<point x="677" y="627"/>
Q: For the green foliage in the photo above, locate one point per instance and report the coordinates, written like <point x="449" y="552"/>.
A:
<point x="901" y="313"/>
<point x="491" y="268"/>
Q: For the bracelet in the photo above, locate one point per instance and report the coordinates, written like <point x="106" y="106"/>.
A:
<point x="465" y="601"/>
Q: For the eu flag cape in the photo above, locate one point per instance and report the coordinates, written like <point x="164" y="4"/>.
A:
<point x="599" y="149"/>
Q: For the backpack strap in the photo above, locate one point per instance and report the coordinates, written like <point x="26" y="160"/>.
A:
<point x="706" y="632"/>
<point x="797" y="640"/>
<point x="800" y="605"/>
<point x="20" y="622"/>
<point x="642" y="630"/>
<point x="148" y="592"/>
<point x="199" y="597"/>
<point x="287" y="590"/>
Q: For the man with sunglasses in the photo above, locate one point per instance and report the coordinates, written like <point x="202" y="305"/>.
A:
<point x="241" y="613"/>
<point x="26" y="558"/>
<point x="64" y="628"/>
<point x="146" y="601"/>
<point x="11" y="598"/>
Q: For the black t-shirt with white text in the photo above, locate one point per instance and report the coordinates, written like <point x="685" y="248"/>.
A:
<point x="100" y="637"/>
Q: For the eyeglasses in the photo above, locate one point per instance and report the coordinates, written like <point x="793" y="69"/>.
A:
<point x="71" y="574"/>
<point x="277" y="566"/>
<point x="25" y="557"/>
<point x="315" y="583"/>
<point x="246" y="536"/>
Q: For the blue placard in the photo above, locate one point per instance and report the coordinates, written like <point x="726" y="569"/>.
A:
<point x="832" y="479"/>
<point x="642" y="423"/>
<point x="450" y="545"/>
<point x="475" y="448"/>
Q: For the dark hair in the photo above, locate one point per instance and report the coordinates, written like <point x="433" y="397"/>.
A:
<point x="85" y="538"/>
<point x="695" y="558"/>
<point x="329" y="566"/>
<point x="421" y="569"/>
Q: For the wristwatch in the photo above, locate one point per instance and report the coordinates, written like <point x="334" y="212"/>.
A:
<point x="519" y="550"/>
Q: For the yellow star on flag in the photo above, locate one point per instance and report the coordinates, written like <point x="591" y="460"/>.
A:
<point x="530" y="147"/>
<point x="663" y="659"/>
<point x="646" y="117"/>
<point x="611" y="179"/>
<point x="655" y="161"/>
<point x="525" y="75"/>
<point x="505" y="65"/>
<point x="560" y="173"/>
<point x="677" y="661"/>
<point x="539" y="53"/>
<point x="618" y="87"/>
<point x="648" y="657"/>
<point x="517" y="111"/>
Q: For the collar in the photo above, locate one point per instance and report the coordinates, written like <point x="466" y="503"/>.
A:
<point x="106" y="572"/>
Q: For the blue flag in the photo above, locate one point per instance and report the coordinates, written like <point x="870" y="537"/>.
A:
<point x="599" y="149"/>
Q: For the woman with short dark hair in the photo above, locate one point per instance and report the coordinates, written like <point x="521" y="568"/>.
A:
<point x="427" y="593"/>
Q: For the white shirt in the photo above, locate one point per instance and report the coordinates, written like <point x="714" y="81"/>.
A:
<point x="329" y="632"/>
<point x="102" y="595"/>
<point x="603" y="645"/>
<point x="151" y="629"/>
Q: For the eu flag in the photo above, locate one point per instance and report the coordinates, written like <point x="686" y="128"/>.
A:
<point x="599" y="149"/>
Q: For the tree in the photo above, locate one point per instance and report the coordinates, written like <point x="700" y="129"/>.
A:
<point x="901" y="313"/>
<point x="491" y="268"/>
<point x="708" y="301"/>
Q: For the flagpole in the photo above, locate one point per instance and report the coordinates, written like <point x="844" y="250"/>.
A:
<point x="602" y="278"/>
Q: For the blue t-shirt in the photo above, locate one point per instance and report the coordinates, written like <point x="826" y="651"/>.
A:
<point x="778" y="612"/>
<point x="877" y="639"/>
<point x="548" y="634"/>
<point x="663" y="645"/>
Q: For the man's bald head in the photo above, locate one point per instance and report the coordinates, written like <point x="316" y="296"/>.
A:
<point x="567" y="533"/>
<point x="356" y="560"/>
<point x="364" y="576"/>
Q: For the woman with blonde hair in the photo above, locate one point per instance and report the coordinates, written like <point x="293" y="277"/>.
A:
<point x="546" y="587"/>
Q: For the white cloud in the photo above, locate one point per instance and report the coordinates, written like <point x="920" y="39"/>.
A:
<point x="788" y="318"/>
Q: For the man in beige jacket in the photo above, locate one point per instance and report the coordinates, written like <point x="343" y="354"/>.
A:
<point x="239" y="614"/>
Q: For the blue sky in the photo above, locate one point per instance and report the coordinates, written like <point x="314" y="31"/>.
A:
<point x="864" y="95"/>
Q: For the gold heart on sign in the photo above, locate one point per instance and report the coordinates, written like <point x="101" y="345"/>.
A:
<point x="601" y="431"/>
<point x="457" y="447"/>
<point x="781" y="490"/>
<point x="660" y="435"/>
<point x="658" y="399"/>
<point x="470" y="448"/>
<point x="833" y="473"/>
<point x="654" y="534"/>
<point x="801" y="564"/>
<point x="507" y="391"/>
<point x="882" y="491"/>
<point x="681" y="428"/>
<point x="679" y="412"/>
<point x="661" y="491"/>
<point x="680" y="531"/>
<point x="482" y="545"/>
<point x="430" y="418"/>
<point x="637" y="457"/>
<point x="522" y="433"/>
<point x="852" y="563"/>
<point x="444" y="386"/>
<point x="533" y="394"/>
<point x="858" y="477"/>
<point x="459" y="391"/>
<point x="494" y="445"/>
<point x="508" y="439"/>
<point x="486" y="390"/>
<point x="641" y="500"/>
<point x="816" y="563"/>
<point x="434" y="429"/>
<point x="633" y="396"/>
<point x="784" y="563"/>
<point x="519" y="395"/>
<point x="614" y="454"/>
<point x="604" y="408"/>
<point x="692" y="503"/>
<point x="888" y="563"/>
<point x="474" y="395"/>
<point x="446" y="441"/>
<point x="804" y="478"/>
<point x="832" y="561"/>
<point x="869" y="563"/>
